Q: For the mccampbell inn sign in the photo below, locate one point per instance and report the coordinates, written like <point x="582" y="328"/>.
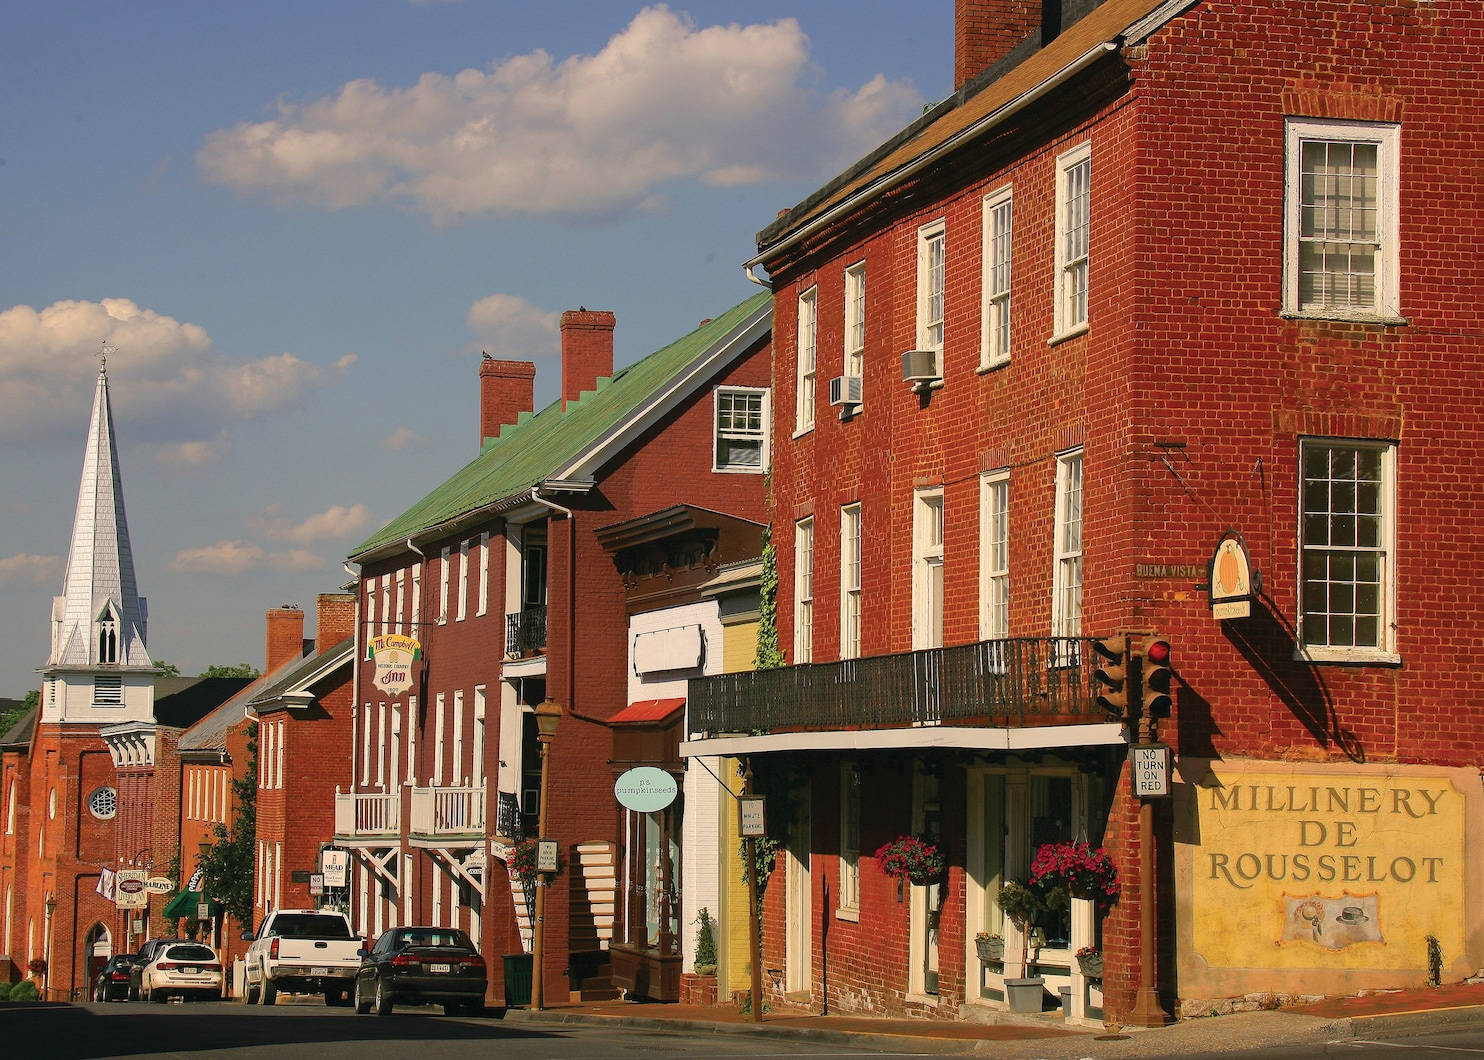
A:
<point x="1339" y="871"/>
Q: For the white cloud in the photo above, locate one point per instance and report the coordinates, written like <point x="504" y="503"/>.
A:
<point x="589" y="135"/>
<point x="337" y="521"/>
<point x="25" y="567"/>
<point x="172" y="382"/>
<point x="403" y="438"/>
<point x="238" y="557"/>
<point x="508" y="326"/>
<point x="190" y="454"/>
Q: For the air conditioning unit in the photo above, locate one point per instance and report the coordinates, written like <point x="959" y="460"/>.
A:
<point x="845" y="390"/>
<point x="919" y="366"/>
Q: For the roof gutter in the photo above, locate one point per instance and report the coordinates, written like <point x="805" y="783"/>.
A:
<point x="884" y="184"/>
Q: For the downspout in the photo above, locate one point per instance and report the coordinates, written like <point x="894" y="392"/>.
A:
<point x="571" y="602"/>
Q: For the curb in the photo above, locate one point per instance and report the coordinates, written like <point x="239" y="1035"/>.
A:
<point x="1408" y="1022"/>
<point x="920" y="1043"/>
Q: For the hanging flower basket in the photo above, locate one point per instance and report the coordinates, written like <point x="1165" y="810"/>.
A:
<point x="1090" y="962"/>
<point x="909" y="858"/>
<point x="1074" y="870"/>
<point x="37" y="967"/>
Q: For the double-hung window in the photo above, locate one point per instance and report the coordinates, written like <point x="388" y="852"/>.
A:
<point x="855" y="320"/>
<point x="1341" y="219"/>
<point x="994" y="556"/>
<point x="850" y="841"/>
<point x="1347" y="540"/>
<point x="850" y="581"/>
<point x="1066" y="600"/>
<point x="931" y="277"/>
<point x="807" y="361"/>
<point x="994" y="340"/>
<point x="804" y="591"/>
<point x="741" y="430"/>
<point x="927" y="570"/>
<point x="1073" y="239"/>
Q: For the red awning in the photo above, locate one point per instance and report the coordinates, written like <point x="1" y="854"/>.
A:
<point x="648" y="712"/>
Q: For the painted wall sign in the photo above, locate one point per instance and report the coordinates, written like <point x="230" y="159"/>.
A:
<point x="1231" y="578"/>
<point x="645" y="789"/>
<point x="1167" y="570"/>
<point x="393" y="655"/>
<point x="1338" y="870"/>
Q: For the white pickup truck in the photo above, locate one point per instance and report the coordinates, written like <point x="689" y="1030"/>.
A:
<point x="301" y="951"/>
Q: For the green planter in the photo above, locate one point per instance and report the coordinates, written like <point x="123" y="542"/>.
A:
<point x="517" y="980"/>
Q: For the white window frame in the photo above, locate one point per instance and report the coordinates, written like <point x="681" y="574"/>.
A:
<point x="848" y="907"/>
<point x="932" y="285"/>
<point x="382" y="727"/>
<point x="278" y="742"/>
<point x="854" y="361"/>
<point x="386" y="603"/>
<point x="461" y="608"/>
<point x="1386" y="303"/>
<point x="1073" y="241"/>
<point x="999" y="227"/>
<point x="804" y="590"/>
<point x="411" y="727"/>
<point x="1384" y="513"/>
<point x="458" y="737"/>
<point x="1066" y="581"/>
<point x="850" y="580"/>
<point x="732" y="433"/>
<point x="807" y="361"/>
<point x="417" y="599"/>
<point x="438" y="724"/>
<point x="401" y="594"/>
<point x="927" y="568"/>
<point x="484" y="574"/>
<point x="994" y="555"/>
<point x="443" y="584"/>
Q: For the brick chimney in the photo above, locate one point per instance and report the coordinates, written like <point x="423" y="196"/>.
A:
<point x="285" y="636"/>
<point x="506" y="389"/>
<point x="985" y="31"/>
<point x="587" y="350"/>
<point x="335" y="619"/>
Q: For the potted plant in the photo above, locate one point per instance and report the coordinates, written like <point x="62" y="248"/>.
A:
<point x="989" y="947"/>
<point x="1074" y="869"/>
<point x="37" y="968"/>
<point x="1090" y="961"/>
<point x="1022" y="906"/>
<point x="911" y="859"/>
<point x="705" y="944"/>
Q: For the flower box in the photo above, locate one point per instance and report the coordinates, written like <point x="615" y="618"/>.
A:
<point x="990" y="949"/>
<point x="1092" y="967"/>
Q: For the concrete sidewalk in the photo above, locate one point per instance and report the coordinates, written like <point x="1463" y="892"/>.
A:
<point x="1049" y="1036"/>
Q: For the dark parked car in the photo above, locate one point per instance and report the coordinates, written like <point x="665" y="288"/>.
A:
<point x="148" y="952"/>
<point x="421" y="966"/>
<point x="112" y="983"/>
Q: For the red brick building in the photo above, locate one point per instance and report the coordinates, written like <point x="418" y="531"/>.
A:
<point x="1159" y="327"/>
<point x="509" y="599"/>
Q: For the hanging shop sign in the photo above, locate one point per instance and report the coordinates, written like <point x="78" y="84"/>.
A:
<point x="335" y="867"/>
<point x="645" y="789"/>
<point x="159" y="885"/>
<point x="546" y="855"/>
<point x="197" y="881"/>
<point x="1233" y="582"/>
<point x="754" y="819"/>
<point x="129" y="891"/>
<point x="393" y="655"/>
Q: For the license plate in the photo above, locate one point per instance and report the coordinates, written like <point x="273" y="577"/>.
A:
<point x="440" y="969"/>
<point x="191" y="971"/>
<point x="319" y="971"/>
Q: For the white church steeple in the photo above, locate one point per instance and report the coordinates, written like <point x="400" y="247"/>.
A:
<point x="100" y="622"/>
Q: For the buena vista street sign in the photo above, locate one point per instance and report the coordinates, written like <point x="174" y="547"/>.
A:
<point x="645" y="789"/>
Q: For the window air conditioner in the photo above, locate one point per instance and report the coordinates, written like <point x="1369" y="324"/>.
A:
<point x="919" y="366"/>
<point x="845" y="390"/>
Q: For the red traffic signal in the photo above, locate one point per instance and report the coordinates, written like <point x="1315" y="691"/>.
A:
<point x="1157" y="678"/>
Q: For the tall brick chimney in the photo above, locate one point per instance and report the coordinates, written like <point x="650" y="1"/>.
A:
<point x="506" y="389"/>
<point x="985" y="31"/>
<point x="285" y="636"/>
<point x="587" y="350"/>
<point x="335" y="619"/>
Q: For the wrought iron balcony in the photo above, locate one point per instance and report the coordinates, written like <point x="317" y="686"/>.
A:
<point x="1012" y="683"/>
<point x="525" y="631"/>
<point x="509" y="821"/>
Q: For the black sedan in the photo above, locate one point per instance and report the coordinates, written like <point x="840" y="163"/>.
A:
<point x="421" y="966"/>
<point x="112" y="983"/>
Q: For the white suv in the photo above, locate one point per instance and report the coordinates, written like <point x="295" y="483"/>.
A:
<point x="184" y="970"/>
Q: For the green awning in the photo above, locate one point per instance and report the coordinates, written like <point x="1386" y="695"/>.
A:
<point x="183" y="904"/>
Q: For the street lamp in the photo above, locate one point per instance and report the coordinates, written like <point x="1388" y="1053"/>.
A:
<point x="548" y="717"/>
<point x="46" y="976"/>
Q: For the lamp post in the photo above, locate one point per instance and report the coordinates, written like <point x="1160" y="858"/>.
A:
<point x="46" y="976"/>
<point x="548" y="716"/>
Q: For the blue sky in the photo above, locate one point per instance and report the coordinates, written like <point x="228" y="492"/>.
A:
<point x="299" y="223"/>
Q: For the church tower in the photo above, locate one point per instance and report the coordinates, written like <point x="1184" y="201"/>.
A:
<point x="99" y="671"/>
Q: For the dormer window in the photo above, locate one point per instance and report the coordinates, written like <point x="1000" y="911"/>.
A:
<point x="108" y="640"/>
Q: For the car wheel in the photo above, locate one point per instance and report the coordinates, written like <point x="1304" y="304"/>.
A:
<point x="270" y="992"/>
<point x="383" y="1002"/>
<point x="159" y="997"/>
<point x="249" y="994"/>
<point x="362" y="1005"/>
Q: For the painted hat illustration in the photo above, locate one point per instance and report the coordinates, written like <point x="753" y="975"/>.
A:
<point x="1352" y="914"/>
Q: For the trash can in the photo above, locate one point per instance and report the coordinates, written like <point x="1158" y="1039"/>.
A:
<point x="517" y="980"/>
<point x="1066" y="1000"/>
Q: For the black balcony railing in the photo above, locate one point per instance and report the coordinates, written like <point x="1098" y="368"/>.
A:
<point x="1004" y="683"/>
<point x="525" y="630"/>
<point x="509" y="824"/>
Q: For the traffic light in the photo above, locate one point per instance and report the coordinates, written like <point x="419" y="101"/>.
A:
<point x="1157" y="678"/>
<point x="1111" y="675"/>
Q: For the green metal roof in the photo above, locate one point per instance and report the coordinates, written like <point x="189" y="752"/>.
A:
<point x="539" y="445"/>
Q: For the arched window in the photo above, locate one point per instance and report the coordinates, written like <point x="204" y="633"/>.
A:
<point x="108" y="650"/>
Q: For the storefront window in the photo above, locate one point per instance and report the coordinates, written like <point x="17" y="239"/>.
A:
<point x="1051" y="822"/>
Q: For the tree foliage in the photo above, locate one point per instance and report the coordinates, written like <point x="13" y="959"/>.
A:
<point x="240" y="670"/>
<point x="769" y="654"/>
<point x="166" y="669"/>
<point x="227" y="865"/>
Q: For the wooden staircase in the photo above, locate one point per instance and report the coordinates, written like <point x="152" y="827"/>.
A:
<point x="591" y="913"/>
